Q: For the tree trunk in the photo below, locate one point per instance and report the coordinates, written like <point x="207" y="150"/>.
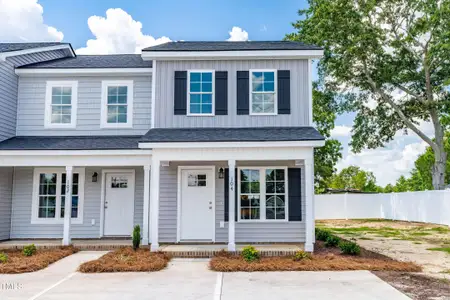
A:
<point x="438" y="172"/>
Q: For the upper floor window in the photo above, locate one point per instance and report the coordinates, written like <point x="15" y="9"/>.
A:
<point x="61" y="104"/>
<point x="201" y="93"/>
<point x="117" y="104"/>
<point x="263" y="96"/>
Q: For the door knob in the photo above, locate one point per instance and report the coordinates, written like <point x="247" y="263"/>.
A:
<point x="210" y="207"/>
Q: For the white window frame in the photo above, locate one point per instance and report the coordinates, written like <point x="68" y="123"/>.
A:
<point x="35" y="201"/>
<point x="189" y="93"/>
<point x="275" y="105"/>
<point x="73" y="102"/>
<point x="104" y="109"/>
<point x="262" y="193"/>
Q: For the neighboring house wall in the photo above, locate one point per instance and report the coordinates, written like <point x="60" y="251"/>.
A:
<point x="6" y="185"/>
<point x="31" y="106"/>
<point x="164" y="112"/>
<point x="8" y="87"/>
<point x="245" y="232"/>
<point x="22" y="205"/>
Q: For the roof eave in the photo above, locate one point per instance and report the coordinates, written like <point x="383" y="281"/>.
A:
<point x="241" y="144"/>
<point x="5" y="55"/>
<point x="83" y="71"/>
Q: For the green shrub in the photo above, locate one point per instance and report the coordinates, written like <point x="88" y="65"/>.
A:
<point x="322" y="234"/>
<point x="249" y="253"/>
<point x="3" y="258"/>
<point x="136" y="237"/>
<point x="29" y="250"/>
<point x="332" y="241"/>
<point x="300" y="255"/>
<point x="349" y="248"/>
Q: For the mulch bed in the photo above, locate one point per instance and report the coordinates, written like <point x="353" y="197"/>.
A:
<point x="416" y="286"/>
<point x="19" y="263"/>
<point x="127" y="260"/>
<point x="323" y="259"/>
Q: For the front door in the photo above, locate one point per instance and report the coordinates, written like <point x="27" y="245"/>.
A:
<point x="197" y="205"/>
<point x="119" y="204"/>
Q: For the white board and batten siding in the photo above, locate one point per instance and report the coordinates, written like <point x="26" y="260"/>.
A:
<point x="426" y="206"/>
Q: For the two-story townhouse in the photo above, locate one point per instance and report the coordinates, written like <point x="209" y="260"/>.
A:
<point x="197" y="142"/>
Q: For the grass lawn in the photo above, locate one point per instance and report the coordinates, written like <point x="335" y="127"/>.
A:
<point x="127" y="260"/>
<point x="445" y="249"/>
<point x="19" y="263"/>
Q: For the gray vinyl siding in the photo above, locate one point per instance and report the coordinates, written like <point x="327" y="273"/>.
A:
<point x="6" y="175"/>
<point x="9" y="87"/>
<point x="22" y="207"/>
<point x="257" y="232"/>
<point x="31" y="106"/>
<point x="164" y="116"/>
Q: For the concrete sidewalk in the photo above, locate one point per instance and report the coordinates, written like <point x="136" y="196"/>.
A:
<point x="190" y="279"/>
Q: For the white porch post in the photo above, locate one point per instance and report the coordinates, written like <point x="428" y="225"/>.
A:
<point x="154" y="203"/>
<point x="145" y="229"/>
<point x="68" y="206"/>
<point x="231" y="205"/>
<point x="310" y="216"/>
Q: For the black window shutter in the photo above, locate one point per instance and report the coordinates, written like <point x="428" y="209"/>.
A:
<point x="284" y="92"/>
<point x="226" y="195"/>
<point x="180" y="93"/>
<point x="243" y="92"/>
<point x="221" y="92"/>
<point x="295" y="194"/>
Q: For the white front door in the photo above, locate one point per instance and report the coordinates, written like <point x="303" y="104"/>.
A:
<point x="197" y="205"/>
<point x="119" y="204"/>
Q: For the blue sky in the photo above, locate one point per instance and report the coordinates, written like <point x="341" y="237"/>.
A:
<point x="126" y="26"/>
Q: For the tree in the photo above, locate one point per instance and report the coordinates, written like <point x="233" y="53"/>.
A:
<point x="325" y="109"/>
<point x="354" y="178"/>
<point x="390" y="58"/>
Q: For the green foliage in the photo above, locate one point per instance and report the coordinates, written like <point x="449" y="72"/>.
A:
<point x="29" y="250"/>
<point x="249" y="254"/>
<point x="322" y="234"/>
<point x="136" y="237"/>
<point x="301" y="255"/>
<point x="3" y="257"/>
<point x="350" y="248"/>
<point x="354" y="178"/>
<point x="443" y="249"/>
<point x="332" y="241"/>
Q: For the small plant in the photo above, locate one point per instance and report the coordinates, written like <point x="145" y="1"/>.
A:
<point x="322" y="234"/>
<point x="332" y="241"/>
<point x="3" y="258"/>
<point x="350" y="248"/>
<point x="301" y="255"/>
<point x="136" y="237"/>
<point x="29" y="250"/>
<point x="249" y="253"/>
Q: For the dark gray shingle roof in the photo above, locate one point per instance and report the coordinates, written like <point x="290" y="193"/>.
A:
<point x="8" y="47"/>
<point x="232" y="46"/>
<point x="94" y="61"/>
<point x="70" y="143"/>
<point x="260" y="134"/>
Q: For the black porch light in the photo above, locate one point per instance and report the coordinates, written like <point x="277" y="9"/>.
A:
<point x="221" y="173"/>
<point x="95" y="177"/>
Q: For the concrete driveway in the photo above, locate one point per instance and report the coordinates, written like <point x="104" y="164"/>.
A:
<point x="190" y="279"/>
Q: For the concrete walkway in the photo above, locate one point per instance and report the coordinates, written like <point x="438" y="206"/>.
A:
<point x="190" y="279"/>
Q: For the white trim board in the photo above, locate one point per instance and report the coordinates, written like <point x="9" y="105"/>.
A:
<point x="86" y="71"/>
<point x="258" y="54"/>
<point x="4" y="56"/>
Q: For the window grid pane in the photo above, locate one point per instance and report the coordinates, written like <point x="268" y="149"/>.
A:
<point x="200" y="92"/>
<point x="275" y="194"/>
<point x="75" y="188"/>
<point x="117" y="106"/>
<point x="263" y="92"/>
<point x="250" y="197"/>
<point x="61" y="106"/>
<point x="47" y="195"/>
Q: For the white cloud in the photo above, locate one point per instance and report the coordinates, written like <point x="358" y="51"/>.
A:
<point x="117" y="33"/>
<point x="238" y="34"/>
<point x="341" y="131"/>
<point x="22" y="21"/>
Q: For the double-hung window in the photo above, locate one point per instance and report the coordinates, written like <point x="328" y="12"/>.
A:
<point x="61" y="104"/>
<point x="49" y="195"/>
<point x="263" y="95"/>
<point x="117" y="104"/>
<point x="201" y="93"/>
<point x="262" y="194"/>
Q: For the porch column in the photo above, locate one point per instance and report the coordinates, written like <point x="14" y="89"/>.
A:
<point x="309" y="204"/>
<point x="68" y="206"/>
<point x="145" y="229"/>
<point x="154" y="204"/>
<point x="231" y="205"/>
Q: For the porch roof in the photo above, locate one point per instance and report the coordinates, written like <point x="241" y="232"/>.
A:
<point x="71" y="143"/>
<point x="250" y="134"/>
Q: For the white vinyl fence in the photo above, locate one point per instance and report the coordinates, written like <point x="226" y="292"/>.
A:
<point x="427" y="206"/>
